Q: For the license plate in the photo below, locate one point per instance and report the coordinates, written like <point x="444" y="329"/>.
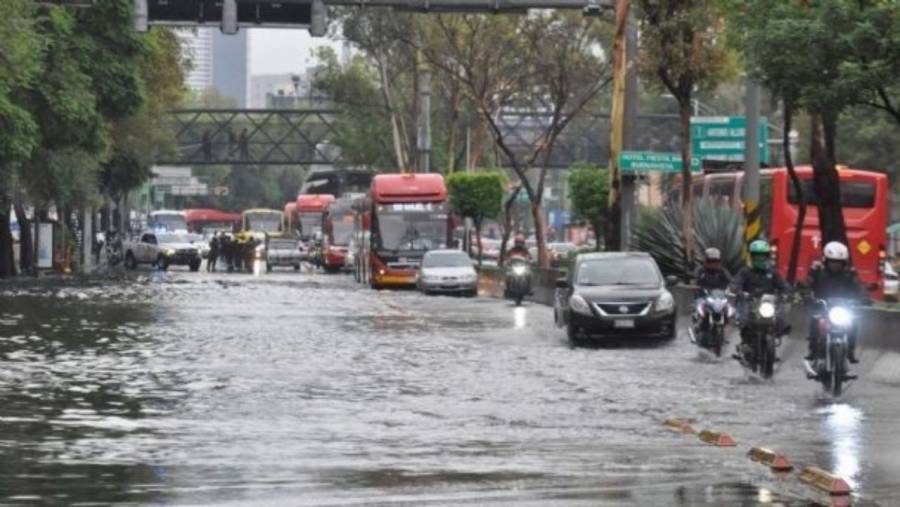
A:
<point x="623" y="323"/>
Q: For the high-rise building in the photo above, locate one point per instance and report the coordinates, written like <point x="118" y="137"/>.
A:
<point x="231" y="69"/>
<point x="197" y="50"/>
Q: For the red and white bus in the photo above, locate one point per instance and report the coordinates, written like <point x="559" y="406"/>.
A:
<point x="310" y="212"/>
<point x="203" y="221"/>
<point x="864" y="197"/>
<point x="406" y="215"/>
<point x="337" y="233"/>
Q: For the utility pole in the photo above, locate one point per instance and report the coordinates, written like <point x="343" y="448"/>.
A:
<point x="752" y="217"/>
<point x="629" y="133"/>
<point x="617" y="126"/>
<point x="423" y="129"/>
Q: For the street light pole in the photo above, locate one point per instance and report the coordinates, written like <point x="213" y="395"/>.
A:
<point x="752" y="216"/>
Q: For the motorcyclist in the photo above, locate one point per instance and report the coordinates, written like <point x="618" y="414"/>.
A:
<point x="711" y="276"/>
<point x="757" y="278"/>
<point x="834" y="278"/>
<point x="519" y="249"/>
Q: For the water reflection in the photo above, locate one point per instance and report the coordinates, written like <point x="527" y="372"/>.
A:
<point x="520" y="317"/>
<point x="842" y="425"/>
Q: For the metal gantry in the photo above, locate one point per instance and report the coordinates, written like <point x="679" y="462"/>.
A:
<point x="252" y="136"/>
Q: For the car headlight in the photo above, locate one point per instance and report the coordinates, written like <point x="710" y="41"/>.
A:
<point x="520" y="269"/>
<point x="840" y="317"/>
<point x="169" y="252"/>
<point x="579" y="305"/>
<point x="766" y="310"/>
<point x="665" y="302"/>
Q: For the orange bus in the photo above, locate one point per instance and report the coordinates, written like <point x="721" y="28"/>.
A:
<point x="864" y="197"/>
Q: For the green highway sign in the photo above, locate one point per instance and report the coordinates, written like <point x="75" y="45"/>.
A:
<point x="723" y="138"/>
<point x="642" y="161"/>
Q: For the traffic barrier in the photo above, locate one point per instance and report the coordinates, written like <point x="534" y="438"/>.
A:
<point x="679" y="425"/>
<point x="824" y="481"/>
<point x="717" y="438"/>
<point x="772" y="459"/>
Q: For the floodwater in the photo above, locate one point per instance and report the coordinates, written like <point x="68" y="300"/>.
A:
<point x="304" y="389"/>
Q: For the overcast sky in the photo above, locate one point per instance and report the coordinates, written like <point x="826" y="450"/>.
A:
<point x="281" y="51"/>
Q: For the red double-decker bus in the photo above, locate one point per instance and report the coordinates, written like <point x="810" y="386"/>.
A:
<point x="310" y="211"/>
<point x="864" y="197"/>
<point x="406" y="215"/>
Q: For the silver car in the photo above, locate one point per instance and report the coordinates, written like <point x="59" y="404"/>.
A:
<point x="447" y="272"/>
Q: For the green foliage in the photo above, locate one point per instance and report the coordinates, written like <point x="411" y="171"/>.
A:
<point x="589" y="191"/>
<point x="659" y="232"/>
<point x="477" y="195"/>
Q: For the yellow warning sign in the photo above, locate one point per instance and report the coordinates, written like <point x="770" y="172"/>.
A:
<point x="864" y="247"/>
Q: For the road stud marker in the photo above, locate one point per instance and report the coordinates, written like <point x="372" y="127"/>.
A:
<point x="824" y="481"/>
<point x="679" y="425"/>
<point x="774" y="460"/>
<point x="717" y="439"/>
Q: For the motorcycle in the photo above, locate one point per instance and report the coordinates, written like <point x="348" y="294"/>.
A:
<point x="830" y="366"/>
<point x="518" y="279"/>
<point x="113" y="248"/>
<point x="711" y="314"/>
<point x="761" y="334"/>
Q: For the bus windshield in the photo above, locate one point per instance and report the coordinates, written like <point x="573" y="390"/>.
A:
<point x="168" y="222"/>
<point x="263" y="222"/>
<point x="310" y="222"/>
<point x="854" y="194"/>
<point x="412" y="227"/>
<point x="342" y="230"/>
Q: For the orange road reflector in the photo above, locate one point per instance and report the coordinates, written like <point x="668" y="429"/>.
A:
<point x="824" y="481"/>
<point x="774" y="460"/>
<point x="679" y="425"/>
<point x="717" y="439"/>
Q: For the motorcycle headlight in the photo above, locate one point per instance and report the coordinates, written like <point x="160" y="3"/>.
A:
<point x="520" y="269"/>
<point x="766" y="310"/>
<point x="665" y="302"/>
<point x="579" y="305"/>
<point x="840" y="317"/>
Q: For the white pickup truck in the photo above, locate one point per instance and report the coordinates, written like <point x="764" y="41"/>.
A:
<point x="162" y="249"/>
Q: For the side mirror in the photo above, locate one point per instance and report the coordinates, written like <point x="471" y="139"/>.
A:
<point x="562" y="283"/>
<point x="672" y="281"/>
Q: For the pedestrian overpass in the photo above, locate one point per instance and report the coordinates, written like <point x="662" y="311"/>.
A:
<point x="262" y="137"/>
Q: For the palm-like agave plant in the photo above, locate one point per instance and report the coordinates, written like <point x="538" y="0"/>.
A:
<point x="658" y="232"/>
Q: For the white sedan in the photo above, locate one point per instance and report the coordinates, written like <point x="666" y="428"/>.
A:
<point x="890" y="282"/>
<point x="447" y="272"/>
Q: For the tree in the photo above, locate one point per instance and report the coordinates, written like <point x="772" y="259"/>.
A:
<point x="20" y="57"/>
<point x="551" y="62"/>
<point x="683" y="47"/>
<point x="589" y="191"/>
<point x="477" y="196"/>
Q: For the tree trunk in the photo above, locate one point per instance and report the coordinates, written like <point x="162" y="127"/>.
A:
<point x="26" y="246"/>
<point x="826" y="181"/>
<point x="798" y="189"/>
<point x="539" y="229"/>
<point x="7" y="262"/>
<point x="687" y="199"/>
<point x="597" y="227"/>
<point x="478" y="224"/>
<point x="507" y="224"/>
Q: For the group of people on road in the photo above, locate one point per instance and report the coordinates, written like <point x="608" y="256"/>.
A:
<point x="235" y="250"/>
<point x="833" y="277"/>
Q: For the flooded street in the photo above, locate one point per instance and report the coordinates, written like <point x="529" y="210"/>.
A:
<point x="304" y="389"/>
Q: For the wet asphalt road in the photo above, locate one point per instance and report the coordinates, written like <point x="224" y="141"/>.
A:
<point x="304" y="389"/>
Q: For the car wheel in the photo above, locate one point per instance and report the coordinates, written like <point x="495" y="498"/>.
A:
<point x="195" y="266"/>
<point x="130" y="262"/>
<point x="296" y="267"/>
<point x="472" y="293"/>
<point x="574" y="335"/>
<point x="268" y="268"/>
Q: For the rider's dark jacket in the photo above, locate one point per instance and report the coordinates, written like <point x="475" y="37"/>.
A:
<point x="766" y="281"/>
<point x="844" y="284"/>
<point x="711" y="279"/>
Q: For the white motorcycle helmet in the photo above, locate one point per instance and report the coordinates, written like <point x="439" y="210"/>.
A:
<point x="837" y="256"/>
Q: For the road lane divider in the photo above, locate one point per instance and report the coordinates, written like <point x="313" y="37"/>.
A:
<point x="717" y="438"/>
<point x="679" y="425"/>
<point x="824" y="481"/>
<point x="776" y="461"/>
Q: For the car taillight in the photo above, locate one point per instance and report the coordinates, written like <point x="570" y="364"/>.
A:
<point x="882" y="259"/>
<point x="774" y="249"/>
